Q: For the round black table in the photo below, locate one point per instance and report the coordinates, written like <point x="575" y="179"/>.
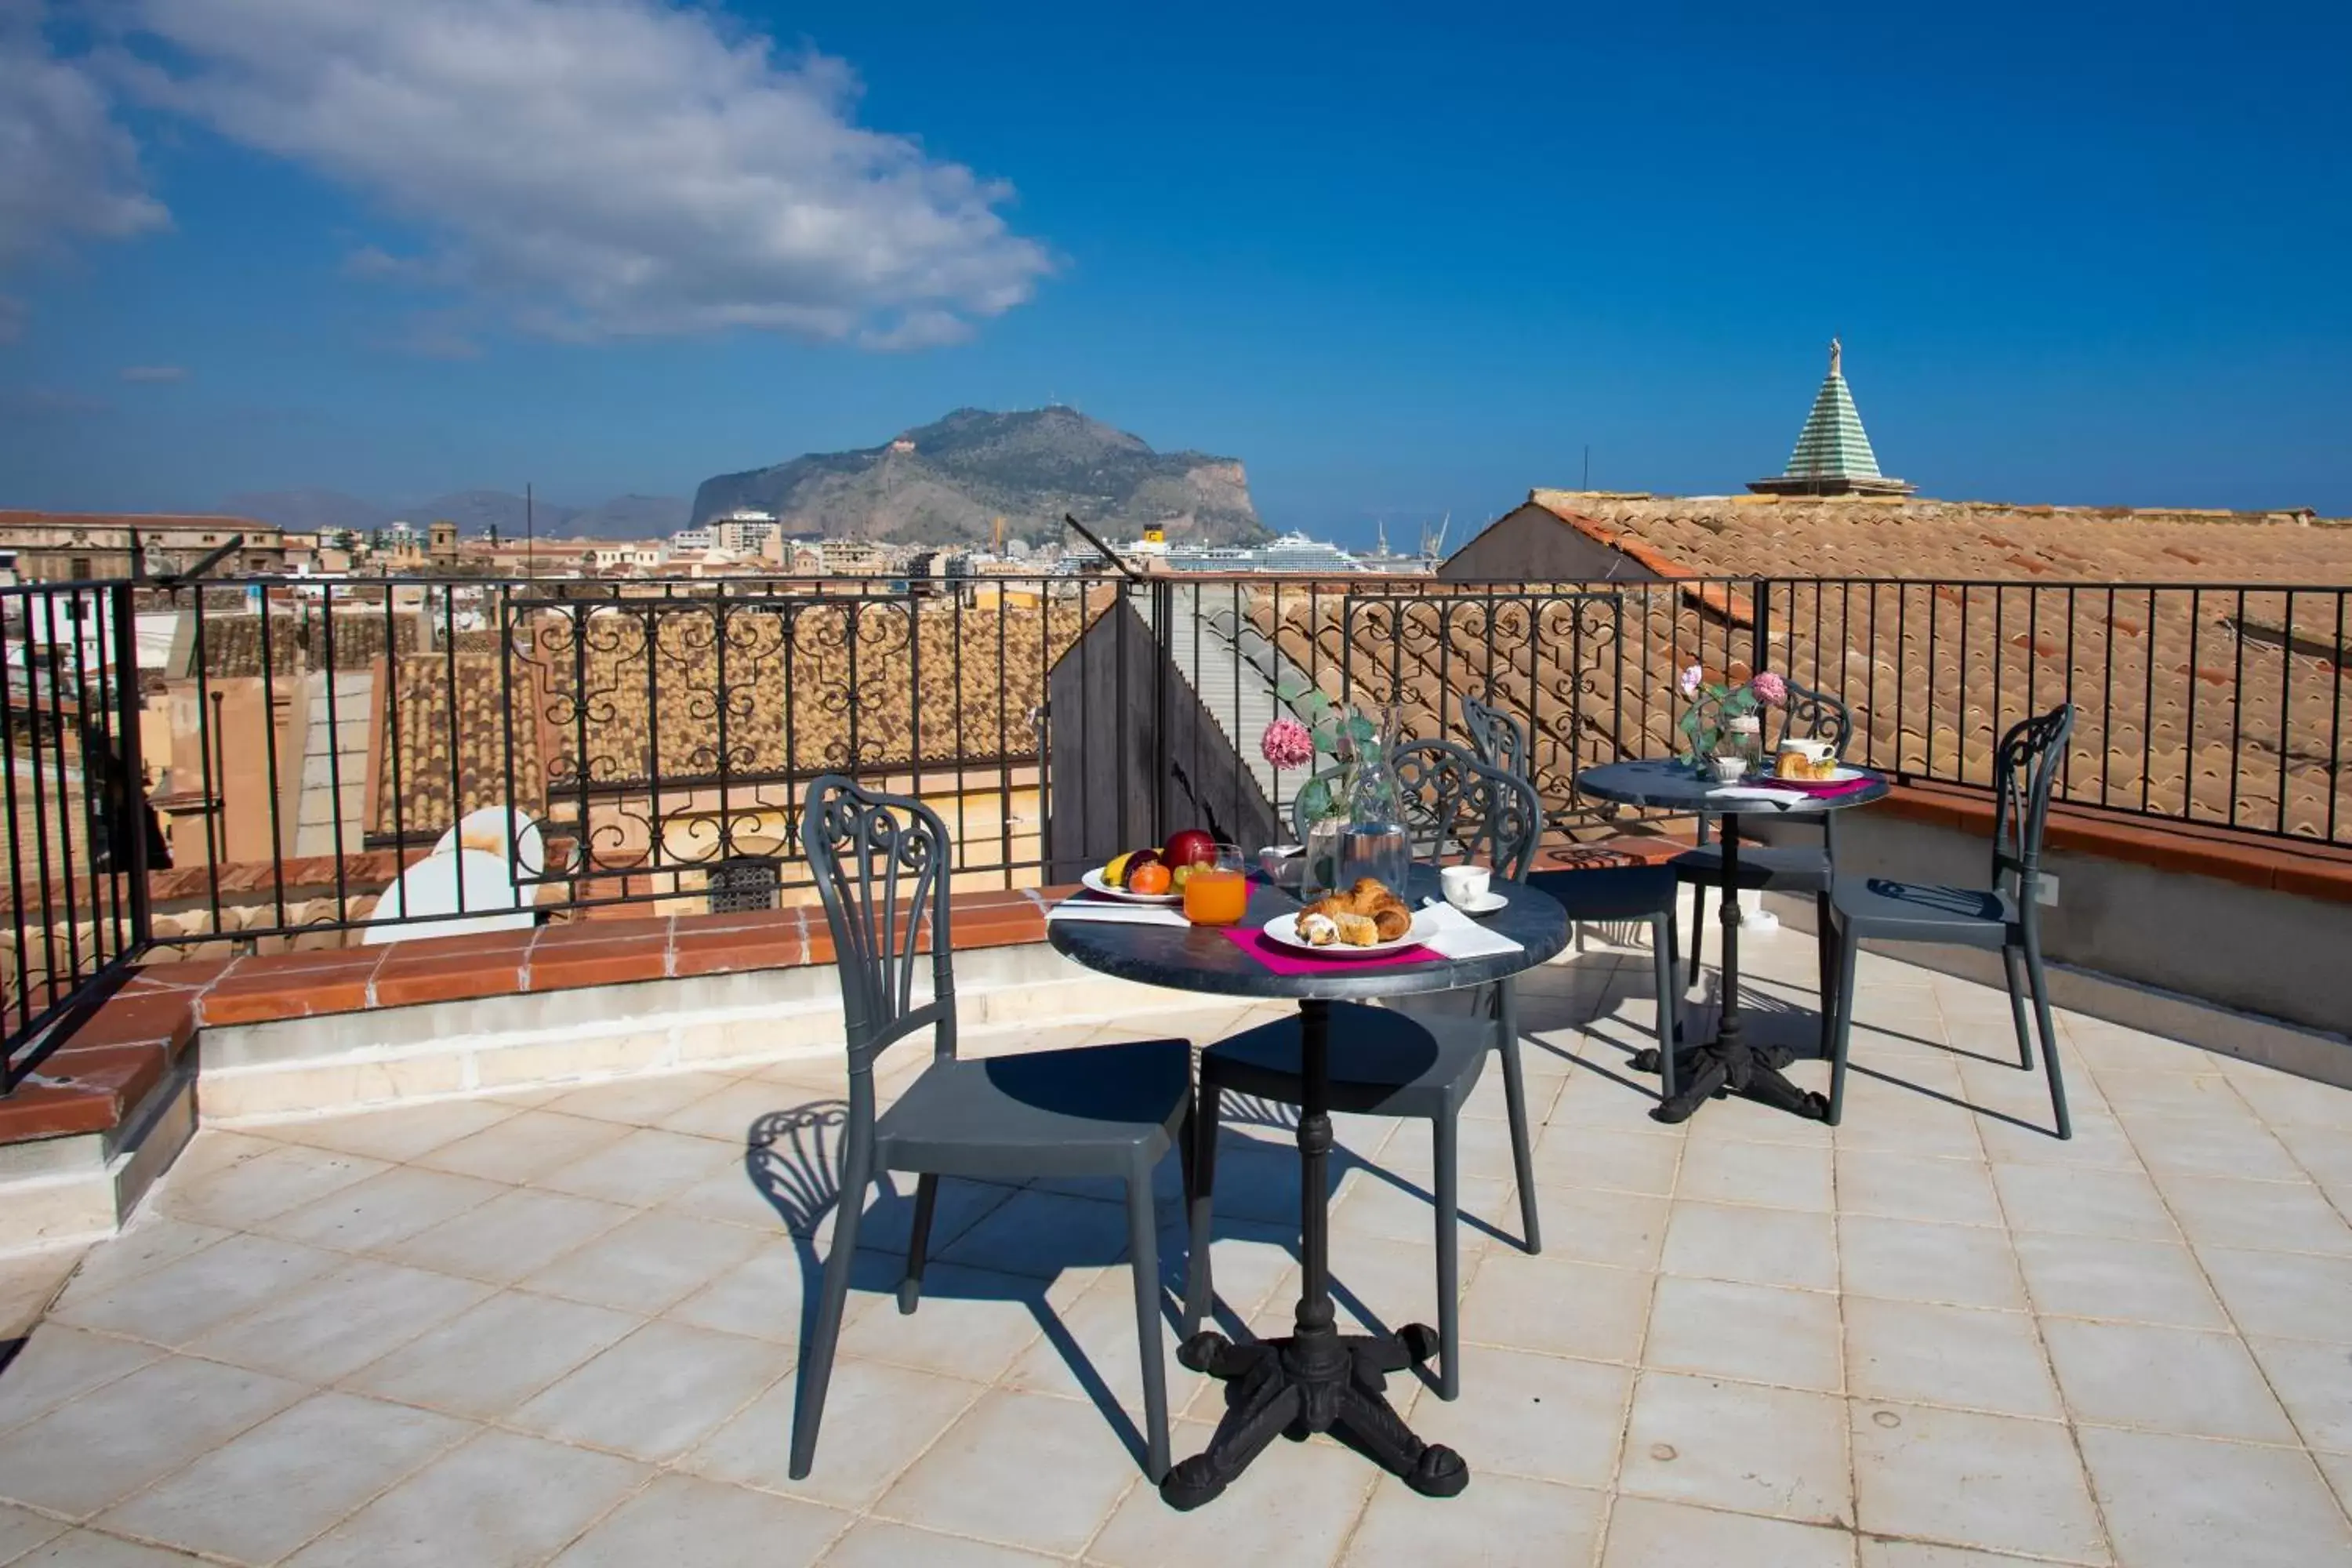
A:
<point x="1318" y="1378"/>
<point x="1725" y="1062"/>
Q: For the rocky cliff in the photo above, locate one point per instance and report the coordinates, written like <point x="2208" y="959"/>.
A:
<point x="948" y="481"/>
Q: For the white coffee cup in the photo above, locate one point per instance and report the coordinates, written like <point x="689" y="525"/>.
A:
<point x="1464" y="886"/>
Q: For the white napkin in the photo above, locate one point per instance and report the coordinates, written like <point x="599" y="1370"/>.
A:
<point x="1118" y="914"/>
<point x="1456" y="935"/>
<point x="1786" y="799"/>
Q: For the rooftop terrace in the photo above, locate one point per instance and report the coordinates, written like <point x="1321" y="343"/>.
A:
<point x="559" y="1325"/>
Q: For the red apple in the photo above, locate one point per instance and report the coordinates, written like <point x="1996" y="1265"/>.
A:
<point x="1190" y="848"/>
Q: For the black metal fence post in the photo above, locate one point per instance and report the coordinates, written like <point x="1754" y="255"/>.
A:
<point x="131" y="846"/>
<point x="1163" y="702"/>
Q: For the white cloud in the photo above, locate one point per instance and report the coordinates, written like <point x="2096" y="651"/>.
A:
<point x="154" y="373"/>
<point x="68" y="171"/>
<point x="600" y="168"/>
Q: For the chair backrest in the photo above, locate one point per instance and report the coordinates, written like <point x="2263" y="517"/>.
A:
<point x="1457" y="807"/>
<point x="1498" y="736"/>
<point x="2025" y="770"/>
<point x="1814" y="715"/>
<point x="881" y="865"/>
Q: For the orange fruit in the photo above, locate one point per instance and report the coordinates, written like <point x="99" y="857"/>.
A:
<point x="1152" y="879"/>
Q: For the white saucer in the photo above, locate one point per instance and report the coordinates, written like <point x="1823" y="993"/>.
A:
<point x="1486" y="906"/>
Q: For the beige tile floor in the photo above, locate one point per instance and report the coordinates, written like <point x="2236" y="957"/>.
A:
<point x="561" y="1328"/>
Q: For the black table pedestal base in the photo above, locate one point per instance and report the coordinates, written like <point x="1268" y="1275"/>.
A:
<point x="1304" y="1385"/>
<point x="1710" y="1071"/>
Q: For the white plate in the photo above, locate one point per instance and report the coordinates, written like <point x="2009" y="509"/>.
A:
<point x="1093" y="882"/>
<point x="1283" y="929"/>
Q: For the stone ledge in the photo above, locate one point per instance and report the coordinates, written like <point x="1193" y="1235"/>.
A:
<point x="96" y="1079"/>
<point x="2304" y="867"/>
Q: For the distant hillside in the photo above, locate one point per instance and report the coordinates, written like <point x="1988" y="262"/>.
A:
<point x="473" y="510"/>
<point x="307" y="511"/>
<point x="631" y="517"/>
<point x="946" y="482"/>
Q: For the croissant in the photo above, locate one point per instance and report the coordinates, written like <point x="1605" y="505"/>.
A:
<point x="1392" y="920"/>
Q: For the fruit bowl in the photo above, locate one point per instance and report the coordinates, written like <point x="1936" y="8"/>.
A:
<point x="1094" y="882"/>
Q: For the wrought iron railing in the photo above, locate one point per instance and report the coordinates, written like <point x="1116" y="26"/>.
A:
<point x="77" y="830"/>
<point x="310" y="740"/>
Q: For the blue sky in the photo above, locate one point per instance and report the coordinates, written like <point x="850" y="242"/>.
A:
<point x="1400" y="263"/>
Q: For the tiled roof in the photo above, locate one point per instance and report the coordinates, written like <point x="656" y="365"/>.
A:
<point x="861" y="690"/>
<point x="467" y="760"/>
<point x="232" y="643"/>
<point x="1793" y="536"/>
<point x="966" y="686"/>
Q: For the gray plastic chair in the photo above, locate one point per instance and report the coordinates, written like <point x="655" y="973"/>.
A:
<point x="1496" y="736"/>
<point x="881" y="865"/>
<point x="1597" y="891"/>
<point x="2007" y="916"/>
<point x="1805" y="868"/>
<point x="1403" y="1060"/>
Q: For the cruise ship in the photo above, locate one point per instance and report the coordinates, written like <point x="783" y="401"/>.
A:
<point x="1290" y="553"/>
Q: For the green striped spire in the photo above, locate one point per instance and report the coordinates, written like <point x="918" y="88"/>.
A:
<point x="1833" y="455"/>
<point x="1832" y="444"/>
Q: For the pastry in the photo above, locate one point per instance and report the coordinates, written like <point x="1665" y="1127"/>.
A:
<point x="1363" y="915"/>
<point x="1317" y="929"/>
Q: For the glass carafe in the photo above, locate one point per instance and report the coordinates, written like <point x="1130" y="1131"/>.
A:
<point x="1376" y="841"/>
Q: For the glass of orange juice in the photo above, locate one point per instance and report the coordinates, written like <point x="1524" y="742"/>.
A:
<point x="1216" y="892"/>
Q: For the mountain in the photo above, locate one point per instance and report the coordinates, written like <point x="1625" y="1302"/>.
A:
<point x="631" y="517"/>
<point x="473" y="510"/>
<point x="947" y="482"/>
<point x="306" y="510"/>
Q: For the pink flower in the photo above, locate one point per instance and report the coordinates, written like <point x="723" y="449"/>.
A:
<point x="1287" y="743"/>
<point x="1690" y="680"/>
<point x="1769" y="688"/>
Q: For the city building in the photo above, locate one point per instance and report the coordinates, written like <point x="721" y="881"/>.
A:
<point x="59" y="546"/>
<point x="853" y="558"/>
<point x="743" y="532"/>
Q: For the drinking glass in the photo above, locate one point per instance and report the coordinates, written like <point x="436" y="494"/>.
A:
<point x="1216" y="892"/>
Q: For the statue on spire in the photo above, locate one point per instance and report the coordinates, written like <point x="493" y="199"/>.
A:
<point x="1836" y="354"/>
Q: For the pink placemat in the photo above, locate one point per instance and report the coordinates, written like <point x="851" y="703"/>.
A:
<point x="1287" y="961"/>
<point x="1820" y="791"/>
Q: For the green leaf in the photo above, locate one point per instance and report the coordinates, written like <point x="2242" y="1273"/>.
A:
<point x="1315" y="798"/>
<point x="1361" y="730"/>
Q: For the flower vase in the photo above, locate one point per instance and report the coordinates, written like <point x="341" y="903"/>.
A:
<point x="1324" y="838"/>
<point x="1375" y="841"/>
